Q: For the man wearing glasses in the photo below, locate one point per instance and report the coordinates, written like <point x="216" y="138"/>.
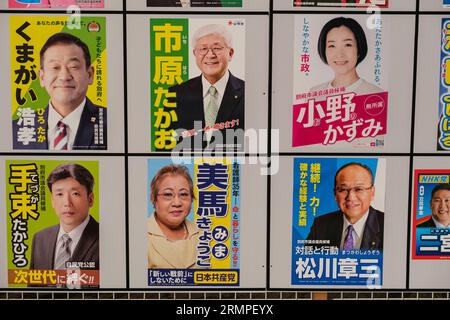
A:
<point x="357" y="225"/>
<point x="215" y="99"/>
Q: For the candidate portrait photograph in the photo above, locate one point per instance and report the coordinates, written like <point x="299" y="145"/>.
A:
<point x="357" y="224"/>
<point x="71" y="120"/>
<point x="75" y="238"/>
<point x="214" y="99"/>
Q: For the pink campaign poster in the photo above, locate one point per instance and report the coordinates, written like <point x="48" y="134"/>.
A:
<point x="55" y="3"/>
<point x="340" y="81"/>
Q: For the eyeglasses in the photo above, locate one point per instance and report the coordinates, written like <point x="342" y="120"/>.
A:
<point x="357" y="190"/>
<point x="215" y="50"/>
<point x="169" y="196"/>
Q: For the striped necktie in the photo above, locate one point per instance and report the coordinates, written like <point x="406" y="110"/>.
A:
<point x="61" y="139"/>
<point x="64" y="253"/>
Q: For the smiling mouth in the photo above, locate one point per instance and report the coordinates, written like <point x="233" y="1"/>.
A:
<point x="340" y="63"/>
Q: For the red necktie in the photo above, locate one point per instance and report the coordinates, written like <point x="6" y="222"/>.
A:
<point x="60" y="142"/>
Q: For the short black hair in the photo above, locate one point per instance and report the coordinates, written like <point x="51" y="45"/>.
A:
<point x="362" y="165"/>
<point x="440" y="186"/>
<point x="354" y="26"/>
<point x="65" y="38"/>
<point x="71" y="170"/>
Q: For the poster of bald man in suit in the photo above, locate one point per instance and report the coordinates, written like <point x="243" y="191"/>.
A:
<point x="338" y="215"/>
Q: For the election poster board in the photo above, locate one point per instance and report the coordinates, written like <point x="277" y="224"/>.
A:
<point x="180" y="101"/>
<point x="194" y="3"/>
<point x="431" y="228"/>
<point x="33" y="225"/>
<point x="443" y="143"/>
<point x="212" y="226"/>
<point x="55" y="3"/>
<point x="341" y="3"/>
<point x="321" y="254"/>
<point x="30" y="99"/>
<point x="340" y="87"/>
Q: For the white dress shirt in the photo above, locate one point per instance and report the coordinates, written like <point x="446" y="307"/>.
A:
<point x="72" y="121"/>
<point x="358" y="230"/>
<point x="220" y="87"/>
<point x="75" y="235"/>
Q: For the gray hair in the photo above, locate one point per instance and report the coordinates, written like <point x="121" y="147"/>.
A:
<point x="213" y="29"/>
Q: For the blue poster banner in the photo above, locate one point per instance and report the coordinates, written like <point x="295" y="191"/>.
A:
<point x="338" y="221"/>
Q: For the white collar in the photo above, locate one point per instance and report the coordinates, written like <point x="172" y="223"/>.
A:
<point x="350" y="88"/>
<point x="72" y="119"/>
<point x="359" y="225"/>
<point x="219" y="85"/>
<point x="76" y="233"/>
<point x="439" y="225"/>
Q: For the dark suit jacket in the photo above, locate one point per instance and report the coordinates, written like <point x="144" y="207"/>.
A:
<point x="177" y="3"/>
<point x="84" y="138"/>
<point x="189" y="99"/>
<point x="44" y="246"/>
<point x="329" y="227"/>
<point x="429" y="223"/>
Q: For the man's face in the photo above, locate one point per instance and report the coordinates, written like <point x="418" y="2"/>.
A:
<point x="440" y="206"/>
<point x="65" y="77"/>
<point x="213" y="63"/>
<point x="354" y="192"/>
<point x="71" y="202"/>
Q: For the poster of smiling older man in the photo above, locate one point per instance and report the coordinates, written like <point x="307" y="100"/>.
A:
<point x="338" y="221"/>
<point x="197" y="83"/>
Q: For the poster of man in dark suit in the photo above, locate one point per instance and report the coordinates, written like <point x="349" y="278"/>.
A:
<point x="213" y="101"/>
<point x="356" y="225"/>
<point x="71" y="120"/>
<point x="75" y="240"/>
<point x="440" y="208"/>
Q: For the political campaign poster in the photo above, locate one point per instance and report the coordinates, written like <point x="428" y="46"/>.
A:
<point x="193" y="223"/>
<point x="197" y="89"/>
<point x="340" y="81"/>
<point x="431" y="214"/>
<point x="58" y="82"/>
<point x="341" y="3"/>
<point x="443" y="142"/>
<point x="55" y="3"/>
<point x="194" y="3"/>
<point x="52" y="223"/>
<point x="338" y="221"/>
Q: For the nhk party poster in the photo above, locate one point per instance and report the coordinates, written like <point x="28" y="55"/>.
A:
<point x="209" y="252"/>
<point x="431" y="214"/>
<point x="37" y="217"/>
<point x="188" y="59"/>
<point x="30" y="98"/>
<point x="340" y="80"/>
<point x="337" y="230"/>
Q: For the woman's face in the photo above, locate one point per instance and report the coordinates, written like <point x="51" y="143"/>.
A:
<point x="341" y="50"/>
<point x="173" y="201"/>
